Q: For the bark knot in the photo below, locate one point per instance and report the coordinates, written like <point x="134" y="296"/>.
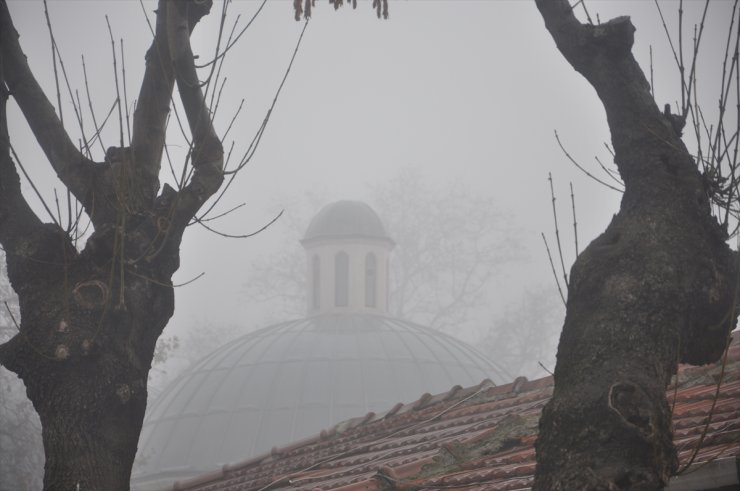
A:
<point x="86" y="346"/>
<point x="91" y="294"/>
<point x="61" y="352"/>
<point x="123" y="391"/>
<point x="633" y="407"/>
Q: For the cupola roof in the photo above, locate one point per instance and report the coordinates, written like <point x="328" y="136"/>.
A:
<point x="346" y="219"/>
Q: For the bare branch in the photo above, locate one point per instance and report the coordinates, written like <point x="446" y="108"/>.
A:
<point x="125" y="93"/>
<point x="19" y="225"/>
<point x="575" y="222"/>
<point x="207" y="153"/>
<point x="152" y="109"/>
<point x="254" y="144"/>
<point x="580" y="167"/>
<point x="554" y="272"/>
<point x="115" y="77"/>
<point x="240" y="236"/>
<point x="73" y="168"/>
<point x="557" y="229"/>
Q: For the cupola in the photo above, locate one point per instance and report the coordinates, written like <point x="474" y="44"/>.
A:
<point x="347" y="251"/>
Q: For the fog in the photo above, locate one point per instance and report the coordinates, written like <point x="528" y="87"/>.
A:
<point x="465" y="92"/>
<point x="462" y="93"/>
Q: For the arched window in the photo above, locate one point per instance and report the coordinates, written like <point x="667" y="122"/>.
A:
<point x="316" y="281"/>
<point x="341" y="279"/>
<point x="371" y="280"/>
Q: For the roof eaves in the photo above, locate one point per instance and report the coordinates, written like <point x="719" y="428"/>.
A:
<point x="715" y="475"/>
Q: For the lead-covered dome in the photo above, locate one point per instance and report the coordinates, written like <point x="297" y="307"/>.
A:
<point x="348" y="219"/>
<point x="291" y="380"/>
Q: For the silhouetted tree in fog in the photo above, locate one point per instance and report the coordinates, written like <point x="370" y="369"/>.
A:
<point x="90" y="318"/>
<point x="657" y="288"/>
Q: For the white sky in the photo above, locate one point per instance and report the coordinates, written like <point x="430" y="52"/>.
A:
<point x="463" y="90"/>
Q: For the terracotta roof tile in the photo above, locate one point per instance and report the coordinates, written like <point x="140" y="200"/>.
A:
<point x="474" y="438"/>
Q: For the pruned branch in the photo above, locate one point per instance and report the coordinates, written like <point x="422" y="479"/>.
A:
<point x="152" y="108"/>
<point x="73" y="168"/>
<point x="19" y="225"/>
<point x="207" y="150"/>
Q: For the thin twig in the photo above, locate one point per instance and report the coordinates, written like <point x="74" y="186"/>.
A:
<point x="695" y="56"/>
<point x="98" y="128"/>
<point x="582" y="169"/>
<point x="583" y="4"/>
<point x="230" y="45"/>
<point x="243" y="236"/>
<point x="681" y="68"/>
<point x="33" y="185"/>
<point x="668" y="34"/>
<point x="125" y="93"/>
<point x="54" y="62"/>
<point x="575" y="223"/>
<point x="557" y="229"/>
<point x="552" y="265"/>
<point x="652" y="83"/>
<point x="115" y="74"/>
<point x="59" y="210"/>
<point x="254" y="144"/>
<point x="545" y="368"/>
<point x="221" y="215"/>
<point x="608" y="172"/>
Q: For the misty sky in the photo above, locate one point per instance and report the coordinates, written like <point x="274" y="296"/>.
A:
<point x="463" y="91"/>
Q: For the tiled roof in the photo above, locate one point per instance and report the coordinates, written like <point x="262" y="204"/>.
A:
<point x="476" y="438"/>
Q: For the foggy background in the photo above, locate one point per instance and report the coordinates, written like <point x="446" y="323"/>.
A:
<point x="462" y="96"/>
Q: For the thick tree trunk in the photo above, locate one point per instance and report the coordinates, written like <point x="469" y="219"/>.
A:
<point x="655" y="289"/>
<point x="86" y="358"/>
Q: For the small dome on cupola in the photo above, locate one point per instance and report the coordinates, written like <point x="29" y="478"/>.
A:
<point x="346" y="219"/>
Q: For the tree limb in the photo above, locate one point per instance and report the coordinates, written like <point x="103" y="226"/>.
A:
<point x="73" y="168"/>
<point x="207" y="150"/>
<point x="153" y="107"/>
<point x="19" y="225"/>
<point x="602" y="54"/>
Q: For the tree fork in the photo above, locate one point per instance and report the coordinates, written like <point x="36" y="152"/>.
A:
<point x="655" y="289"/>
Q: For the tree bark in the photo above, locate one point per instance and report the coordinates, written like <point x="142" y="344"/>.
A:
<point x="90" y="320"/>
<point x="655" y="289"/>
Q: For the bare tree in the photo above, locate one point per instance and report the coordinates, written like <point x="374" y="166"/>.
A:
<point x="90" y="318"/>
<point x="658" y="287"/>
<point x="451" y="243"/>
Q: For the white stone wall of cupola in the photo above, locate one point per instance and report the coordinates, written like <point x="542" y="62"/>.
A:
<point x="357" y="251"/>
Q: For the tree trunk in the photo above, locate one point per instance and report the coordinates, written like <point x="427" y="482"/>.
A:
<point x="85" y="361"/>
<point x="655" y="289"/>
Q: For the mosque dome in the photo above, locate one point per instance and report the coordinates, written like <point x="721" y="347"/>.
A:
<point x="293" y="380"/>
<point x="346" y="219"/>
